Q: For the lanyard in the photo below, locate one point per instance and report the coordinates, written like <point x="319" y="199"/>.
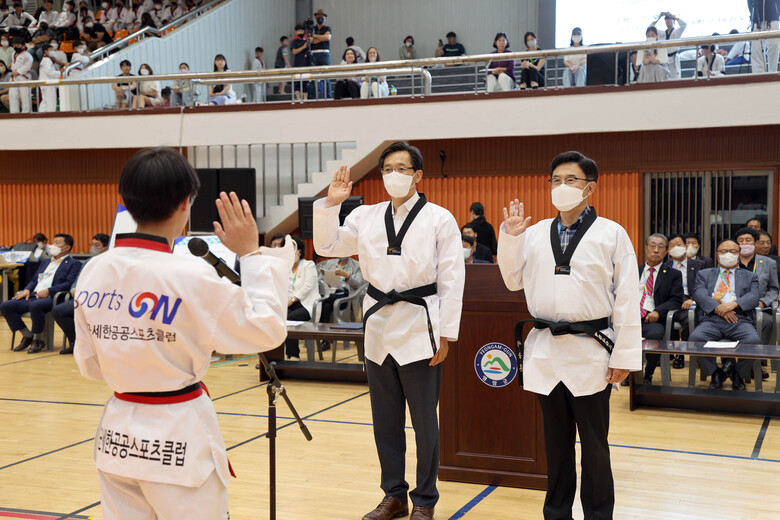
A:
<point x="295" y="274"/>
<point x="394" y="241"/>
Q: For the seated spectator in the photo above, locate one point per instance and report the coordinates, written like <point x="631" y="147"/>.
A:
<point x="300" y="51"/>
<point x="259" y="64"/>
<point x="651" y="69"/>
<point x="693" y="247"/>
<point x="481" y="251"/>
<point x="5" y="79"/>
<point x="359" y="54"/>
<point x="662" y="293"/>
<point x="351" y="278"/>
<point x="738" y="54"/>
<point x="469" y="244"/>
<point x="81" y="56"/>
<point x="103" y="17"/>
<point x="182" y="90"/>
<point x="766" y="271"/>
<point x="486" y="235"/>
<point x="66" y="21"/>
<point x="173" y="11"/>
<point x="124" y="90"/>
<point x="48" y="71"/>
<point x="41" y="243"/>
<point x="63" y="312"/>
<point x="165" y="94"/>
<point x="221" y="94"/>
<point x="82" y="14"/>
<point x="574" y="73"/>
<point x="452" y="48"/>
<point x="406" y="52"/>
<point x="148" y="91"/>
<point x="347" y="87"/>
<point x="725" y="297"/>
<point x="6" y="50"/>
<point x="277" y="240"/>
<point x="95" y="34"/>
<point x="500" y="73"/>
<point x="532" y="74"/>
<point x="710" y="64"/>
<point x="282" y="61"/>
<point x="754" y="223"/>
<point x="147" y="21"/>
<point x="689" y="270"/>
<point x="48" y="16"/>
<point x="765" y="247"/>
<point x="303" y="294"/>
<point x="121" y="17"/>
<point x="19" y="21"/>
<point x="54" y="275"/>
<point x="156" y="12"/>
<point x="374" y="86"/>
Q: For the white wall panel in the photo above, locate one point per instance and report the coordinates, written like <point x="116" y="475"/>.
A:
<point x="233" y="29"/>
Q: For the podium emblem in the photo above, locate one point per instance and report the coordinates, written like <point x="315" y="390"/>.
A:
<point x="495" y="365"/>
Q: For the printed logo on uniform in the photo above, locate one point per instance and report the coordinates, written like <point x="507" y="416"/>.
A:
<point x="141" y="303"/>
<point x="495" y="365"/>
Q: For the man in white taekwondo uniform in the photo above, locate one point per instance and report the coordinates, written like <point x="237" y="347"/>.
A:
<point x="578" y="271"/>
<point x="671" y="33"/>
<point x="410" y="253"/>
<point x="147" y="323"/>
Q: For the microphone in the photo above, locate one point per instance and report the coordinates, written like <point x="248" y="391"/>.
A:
<point x="199" y="247"/>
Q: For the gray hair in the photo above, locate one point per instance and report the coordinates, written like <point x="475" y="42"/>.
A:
<point x="657" y="235"/>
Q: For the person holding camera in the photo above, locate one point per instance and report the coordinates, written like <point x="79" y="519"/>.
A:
<point x="319" y="45"/>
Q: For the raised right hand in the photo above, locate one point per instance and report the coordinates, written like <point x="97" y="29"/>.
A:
<point x="340" y="187"/>
<point x="238" y="231"/>
<point x="515" y="221"/>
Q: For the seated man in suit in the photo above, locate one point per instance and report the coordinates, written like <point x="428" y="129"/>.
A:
<point x="662" y="293"/>
<point x="693" y="244"/>
<point x="55" y="274"/>
<point x="482" y="251"/>
<point x="470" y="246"/>
<point x="689" y="268"/>
<point x="725" y="297"/>
<point x="766" y="270"/>
<point x="764" y="247"/>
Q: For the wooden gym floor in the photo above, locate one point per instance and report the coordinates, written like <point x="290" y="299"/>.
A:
<point x="667" y="464"/>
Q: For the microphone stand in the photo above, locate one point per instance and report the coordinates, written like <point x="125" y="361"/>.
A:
<point x="275" y="388"/>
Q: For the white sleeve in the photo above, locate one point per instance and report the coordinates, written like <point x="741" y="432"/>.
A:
<point x="451" y="277"/>
<point x="308" y="282"/>
<point x="333" y="241"/>
<point x="626" y="320"/>
<point x="511" y="258"/>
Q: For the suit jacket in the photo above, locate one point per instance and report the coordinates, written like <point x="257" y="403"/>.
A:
<point x="694" y="266"/>
<point x="668" y="290"/>
<point x="777" y="261"/>
<point x="766" y="270"/>
<point x="63" y="280"/>
<point x="482" y="252"/>
<point x="486" y="235"/>
<point x="708" y="263"/>
<point x="746" y="289"/>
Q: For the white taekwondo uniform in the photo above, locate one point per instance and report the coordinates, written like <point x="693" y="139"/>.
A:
<point x="148" y="321"/>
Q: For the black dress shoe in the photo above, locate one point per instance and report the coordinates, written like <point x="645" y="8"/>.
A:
<point x="764" y="375"/>
<point x="37" y="346"/>
<point x="26" y="342"/>
<point x="717" y="379"/>
<point x="68" y="350"/>
<point x="679" y="362"/>
<point x="325" y="346"/>
<point x="736" y="382"/>
<point x="625" y="381"/>
<point x="648" y="380"/>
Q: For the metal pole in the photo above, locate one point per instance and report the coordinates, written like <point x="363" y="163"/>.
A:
<point x="278" y="179"/>
<point x="265" y="202"/>
<point x="306" y="161"/>
<point x="617" y="57"/>
<point x="476" y="83"/>
<point x="292" y="167"/>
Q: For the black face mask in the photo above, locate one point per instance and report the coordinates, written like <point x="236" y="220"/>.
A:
<point x="320" y="20"/>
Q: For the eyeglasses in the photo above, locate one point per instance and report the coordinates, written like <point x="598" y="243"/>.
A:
<point x="570" y="181"/>
<point x="403" y="170"/>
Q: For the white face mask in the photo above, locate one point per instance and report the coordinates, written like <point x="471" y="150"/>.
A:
<point x="397" y="184"/>
<point x="576" y="38"/>
<point x="531" y="44"/>
<point x="94" y="251"/>
<point x="408" y="44"/>
<point x="677" y="251"/>
<point x="466" y="253"/>
<point x="82" y="49"/>
<point x="105" y="5"/>
<point x="651" y="39"/>
<point x="54" y="46"/>
<point x="4" y="43"/>
<point x="184" y="71"/>
<point x="691" y="251"/>
<point x="144" y="72"/>
<point x="728" y="260"/>
<point x="89" y="25"/>
<point x="567" y="197"/>
<point x="53" y="250"/>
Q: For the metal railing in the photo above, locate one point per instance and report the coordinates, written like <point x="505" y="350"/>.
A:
<point x="408" y="67"/>
<point x="140" y="34"/>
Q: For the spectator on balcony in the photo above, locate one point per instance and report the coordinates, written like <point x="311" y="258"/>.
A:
<point x="300" y="51"/>
<point x="319" y="48"/>
<point x="5" y="80"/>
<point x="574" y="73"/>
<point x="48" y="15"/>
<point x="148" y="91"/>
<point x="359" y="54"/>
<point x="6" y="50"/>
<point x="374" y="86"/>
<point x="765" y="16"/>
<point x="124" y="90"/>
<point x="347" y="87"/>
<point x="738" y="53"/>
<point x="221" y="94"/>
<point x="671" y="33"/>
<point x="406" y="52"/>
<point x="282" y="61"/>
<point x="710" y="64"/>
<point x="452" y="48"/>
<point x="156" y="13"/>
<point x="42" y="36"/>
<point x="19" y="21"/>
<point x="532" y="73"/>
<point x="651" y="69"/>
<point x="121" y="17"/>
<point x="95" y="34"/>
<point x="48" y="72"/>
<point x="259" y="64"/>
<point x="175" y="10"/>
<point x="147" y="20"/>
<point x="104" y="15"/>
<point x="19" y="97"/>
<point x="500" y="73"/>
<point x="82" y="13"/>
<point x="182" y="90"/>
<point x="81" y="56"/>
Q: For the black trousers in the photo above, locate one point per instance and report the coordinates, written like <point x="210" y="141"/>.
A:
<point x="391" y="387"/>
<point x="346" y="88"/>
<point x="564" y="415"/>
<point x="13" y="310"/>
<point x="654" y="330"/>
<point x="63" y="315"/>
<point x="295" y="312"/>
<point x="327" y="305"/>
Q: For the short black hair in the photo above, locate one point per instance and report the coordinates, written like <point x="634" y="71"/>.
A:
<point x="499" y="35"/>
<point x="166" y="91"/>
<point x="451" y="34"/>
<point x="694" y="235"/>
<point x="125" y="62"/>
<point x="525" y="38"/>
<point x="259" y="49"/>
<point x="40" y="237"/>
<point x="478" y="209"/>
<point x="285" y="37"/>
<point x="760" y="223"/>
<point x="350" y="40"/>
<point x="587" y="165"/>
<point x="764" y="233"/>
<point x="277" y="236"/>
<point x="410" y="37"/>
<point x="299" y="27"/>
<point x="747" y="231"/>
<point x="155" y="181"/>
<point x="103" y="238"/>
<point x="344" y="56"/>
<point x="471" y="227"/>
<point x="677" y="235"/>
<point x="403" y="146"/>
<point x="46" y="47"/>
<point x="468" y="239"/>
<point x="724" y="240"/>
<point x="67" y="238"/>
<point x="301" y="245"/>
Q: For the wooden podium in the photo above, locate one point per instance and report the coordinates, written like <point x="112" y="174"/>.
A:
<point x="489" y="435"/>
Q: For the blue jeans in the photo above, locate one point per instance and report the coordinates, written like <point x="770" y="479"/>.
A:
<point x="320" y="89"/>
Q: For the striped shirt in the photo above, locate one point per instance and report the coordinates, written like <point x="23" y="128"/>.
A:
<point x="567" y="233"/>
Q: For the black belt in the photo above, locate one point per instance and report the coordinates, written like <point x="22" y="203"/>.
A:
<point x="590" y="328"/>
<point x="414" y="296"/>
<point x="671" y="54"/>
<point x="174" y="393"/>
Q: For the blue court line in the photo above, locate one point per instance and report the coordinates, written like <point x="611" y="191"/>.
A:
<point x="685" y="452"/>
<point x="344" y="359"/>
<point x="760" y="438"/>
<point x="68" y="517"/>
<point x="473" y="502"/>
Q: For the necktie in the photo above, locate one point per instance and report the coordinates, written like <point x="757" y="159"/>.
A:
<point x="723" y="288"/>
<point x="648" y="290"/>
